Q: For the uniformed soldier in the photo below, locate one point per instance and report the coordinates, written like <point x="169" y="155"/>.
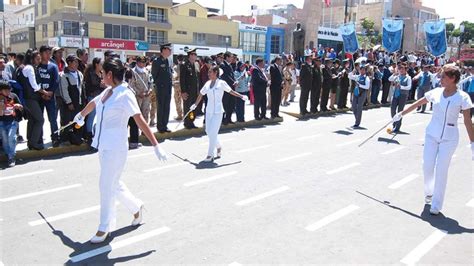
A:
<point x="162" y="76"/>
<point x="316" y="85"/>
<point x="327" y="81"/>
<point x="189" y="81"/>
<point x="344" y="85"/>
<point x="306" y="81"/>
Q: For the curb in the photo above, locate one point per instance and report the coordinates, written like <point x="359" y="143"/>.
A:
<point x="182" y="133"/>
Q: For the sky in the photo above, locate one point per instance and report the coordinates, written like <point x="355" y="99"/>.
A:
<point x="459" y="9"/>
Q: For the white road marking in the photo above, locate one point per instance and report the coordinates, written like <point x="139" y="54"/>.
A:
<point x="235" y="264"/>
<point x="294" y="157"/>
<point x="221" y="141"/>
<point x="424" y="247"/>
<point x="26" y="174"/>
<point x="332" y="217"/>
<point x="254" y="148"/>
<point x="403" y="181"/>
<point x="64" y="215"/>
<point x="275" y="131"/>
<point x="119" y="244"/>
<point x="209" y="179"/>
<point x="470" y="203"/>
<point x="29" y="195"/>
<point x="164" y="167"/>
<point x="349" y="143"/>
<point x="340" y="169"/>
<point x="393" y="150"/>
<point x="140" y="155"/>
<point x="309" y="137"/>
<point x="262" y="196"/>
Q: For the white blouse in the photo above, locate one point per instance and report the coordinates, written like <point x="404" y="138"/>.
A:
<point x="214" y="96"/>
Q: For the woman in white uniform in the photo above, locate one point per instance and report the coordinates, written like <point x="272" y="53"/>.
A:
<point x="214" y="89"/>
<point x="114" y="106"/>
<point x="442" y="134"/>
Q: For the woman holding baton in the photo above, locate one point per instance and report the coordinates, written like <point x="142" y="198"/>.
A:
<point x="114" y="106"/>
<point x="442" y="134"/>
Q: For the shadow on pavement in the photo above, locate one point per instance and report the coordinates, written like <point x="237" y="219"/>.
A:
<point x="343" y="132"/>
<point x="388" y="141"/>
<point x="99" y="259"/>
<point x="439" y="221"/>
<point x="205" y="165"/>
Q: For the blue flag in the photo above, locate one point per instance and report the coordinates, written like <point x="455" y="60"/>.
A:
<point x="436" y="37"/>
<point x="349" y="37"/>
<point x="392" y="34"/>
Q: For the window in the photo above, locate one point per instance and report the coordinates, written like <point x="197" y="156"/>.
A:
<point x="252" y="42"/>
<point x="116" y="33"/>
<point x="156" y="37"/>
<point x="44" y="7"/>
<point x="192" y="12"/>
<point x="133" y="9"/>
<point x="141" y="10"/>
<point x="71" y="28"/>
<point x="107" y="30"/>
<point x="156" y="15"/>
<point x="44" y="32"/>
<point x="275" y="44"/>
<point x="124" y="32"/>
<point x="55" y="28"/>
<point x="125" y="8"/>
<point x="36" y="8"/>
<point x="108" y="6"/>
<point x="199" y="38"/>
<point x="31" y="17"/>
<point x="182" y="32"/>
<point x="116" y="7"/>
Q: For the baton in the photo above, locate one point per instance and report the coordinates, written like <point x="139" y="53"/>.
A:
<point x="47" y="222"/>
<point x="376" y="132"/>
<point x="184" y="117"/>
<point x="64" y="127"/>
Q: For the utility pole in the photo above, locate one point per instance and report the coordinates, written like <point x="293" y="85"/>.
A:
<point x="345" y="11"/>
<point x="81" y="23"/>
<point x="4" y="37"/>
<point x="223" y="6"/>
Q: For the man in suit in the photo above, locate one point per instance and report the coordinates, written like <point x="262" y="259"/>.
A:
<point x="316" y="85"/>
<point x="306" y="81"/>
<point x="259" y="84"/>
<point x="162" y="76"/>
<point x="189" y="82"/>
<point x="276" y="78"/>
<point x="228" y="76"/>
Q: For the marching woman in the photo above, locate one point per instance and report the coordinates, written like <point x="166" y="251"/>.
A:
<point x="114" y="106"/>
<point x="362" y="82"/>
<point x="442" y="134"/>
<point x="214" y="89"/>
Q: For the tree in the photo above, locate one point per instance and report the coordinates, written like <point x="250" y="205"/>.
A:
<point x="367" y="25"/>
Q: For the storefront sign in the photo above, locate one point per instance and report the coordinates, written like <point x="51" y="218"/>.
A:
<point x="73" y="42"/>
<point x="250" y="27"/>
<point x="53" y="42"/>
<point x="330" y="34"/>
<point x="118" y="44"/>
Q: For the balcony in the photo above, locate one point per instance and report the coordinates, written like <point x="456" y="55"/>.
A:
<point x="157" y="18"/>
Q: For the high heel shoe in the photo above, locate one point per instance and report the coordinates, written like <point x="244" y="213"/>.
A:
<point x="99" y="239"/>
<point x="138" y="220"/>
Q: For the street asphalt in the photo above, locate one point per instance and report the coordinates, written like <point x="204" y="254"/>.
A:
<point x="301" y="192"/>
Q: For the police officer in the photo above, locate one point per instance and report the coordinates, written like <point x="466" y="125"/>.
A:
<point x="162" y="76"/>
<point x="189" y="81"/>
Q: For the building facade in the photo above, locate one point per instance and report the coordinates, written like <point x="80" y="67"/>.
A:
<point x="130" y="28"/>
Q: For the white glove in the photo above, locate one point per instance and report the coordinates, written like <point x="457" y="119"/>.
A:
<point x="397" y="117"/>
<point x="245" y="98"/>
<point x="193" y="107"/>
<point x="472" y="150"/>
<point x="160" y="153"/>
<point x="79" y="119"/>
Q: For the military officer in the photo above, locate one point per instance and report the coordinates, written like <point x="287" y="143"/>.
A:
<point x="162" y="76"/>
<point x="189" y="82"/>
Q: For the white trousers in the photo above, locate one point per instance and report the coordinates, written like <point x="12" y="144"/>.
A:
<point x="213" y="124"/>
<point x="436" y="159"/>
<point x="111" y="189"/>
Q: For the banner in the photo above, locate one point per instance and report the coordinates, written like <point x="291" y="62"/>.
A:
<point x="349" y="37"/>
<point x="392" y="34"/>
<point x="436" y="37"/>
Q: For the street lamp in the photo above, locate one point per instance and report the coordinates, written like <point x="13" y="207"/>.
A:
<point x="227" y="39"/>
<point x="461" y="29"/>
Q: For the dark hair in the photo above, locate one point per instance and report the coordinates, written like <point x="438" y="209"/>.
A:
<point x="20" y="56"/>
<point x="259" y="60"/>
<point x="30" y="56"/>
<point x="115" y="66"/>
<point x="128" y="74"/>
<point x="80" y="52"/>
<point x="92" y="66"/>
<point x="12" y="54"/>
<point x="215" y="69"/>
<point x="4" y="85"/>
<point x="452" y="72"/>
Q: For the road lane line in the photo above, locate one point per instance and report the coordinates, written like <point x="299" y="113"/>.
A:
<point x="332" y="217"/>
<point x="349" y="143"/>
<point x="424" y="247"/>
<point x="403" y="181"/>
<point x="119" y="244"/>
<point x="140" y="155"/>
<point x="254" y="148"/>
<point x="309" y="137"/>
<point x="262" y="196"/>
<point x="340" y="169"/>
<point x="164" y="167"/>
<point x="209" y="179"/>
<point x="293" y="157"/>
<point x="275" y="131"/>
<point x="470" y="203"/>
<point x="64" y="215"/>
<point x="26" y="174"/>
<point x="29" y="195"/>
<point x="393" y="150"/>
